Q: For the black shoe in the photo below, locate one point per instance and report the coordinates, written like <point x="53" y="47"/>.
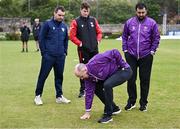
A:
<point x="37" y="50"/>
<point x="81" y="94"/>
<point x="116" y="111"/>
<point x="22" y="50"/>
<point x="26" y="50"/>
<point x="129" y="106"/>
<point x="105" y="119"/>
<point x="143" y="108"/>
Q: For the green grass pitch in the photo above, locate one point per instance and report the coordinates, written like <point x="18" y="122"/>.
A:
<point x="18" y="77"/>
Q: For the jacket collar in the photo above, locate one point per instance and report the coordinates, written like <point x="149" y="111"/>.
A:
<point x="57" y="23"/>
<point x="84" y="18"/>
<point x="142" y="20"/>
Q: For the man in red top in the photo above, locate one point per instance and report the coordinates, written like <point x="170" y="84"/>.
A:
<point x="86" y="33"/>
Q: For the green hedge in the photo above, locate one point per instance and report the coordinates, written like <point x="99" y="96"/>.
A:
<point x="2" y="36"/>
<point x="13" y="36"/>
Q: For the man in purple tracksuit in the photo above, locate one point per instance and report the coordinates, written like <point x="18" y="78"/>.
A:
<point x="101" y="74"/>
<point x="140" y="41"/>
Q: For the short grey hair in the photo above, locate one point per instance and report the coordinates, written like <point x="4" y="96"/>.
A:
<point x="36" y="19"/>
<point x="79" y="67"/>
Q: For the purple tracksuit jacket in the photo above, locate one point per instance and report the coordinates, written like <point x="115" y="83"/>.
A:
<point x="100" y="67"/>
<point x="140" y="38"/>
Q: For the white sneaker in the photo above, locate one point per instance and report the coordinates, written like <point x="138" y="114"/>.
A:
<point x="38" y="100"/>
<point x="62" y="99"/>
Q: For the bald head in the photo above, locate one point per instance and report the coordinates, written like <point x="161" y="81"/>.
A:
<point x="81" y="71"/>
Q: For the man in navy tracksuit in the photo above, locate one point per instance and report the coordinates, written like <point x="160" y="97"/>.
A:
<point x="25" y="32"/>
<point x="53" y="46"/>
<point x="36" y="31"/>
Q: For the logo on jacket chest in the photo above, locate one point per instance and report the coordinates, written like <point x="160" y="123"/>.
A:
<point x="133" y="27"/>
<point x="63" y="29"/>
<point x="145" y="28"/>
<point x="91" y="24"/>
<point x="37" y="28"/>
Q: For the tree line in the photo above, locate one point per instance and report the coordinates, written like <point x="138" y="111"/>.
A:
<point x="106" y="11"/>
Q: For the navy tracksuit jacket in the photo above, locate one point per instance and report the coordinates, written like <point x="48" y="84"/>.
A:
<point x="53" y="43"/>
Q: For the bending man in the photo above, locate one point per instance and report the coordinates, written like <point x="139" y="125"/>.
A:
<point x="101" y="74"/>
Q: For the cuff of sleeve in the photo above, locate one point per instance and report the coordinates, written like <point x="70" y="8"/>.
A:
<point x="152" y="52"/>
<point x="42" y="53"/>
<point x="65" y="53"/>
<point x="88" y="110"/>
<point x="80" y="45"/>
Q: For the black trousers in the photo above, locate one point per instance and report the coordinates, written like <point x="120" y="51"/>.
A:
<point x="48" y="62"/>
<point x="145" y="65"/>
<point x="84" y="57"/>
<point x="104" y="89"/>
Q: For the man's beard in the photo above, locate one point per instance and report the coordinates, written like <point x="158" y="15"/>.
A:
<point x="141" y="18"/>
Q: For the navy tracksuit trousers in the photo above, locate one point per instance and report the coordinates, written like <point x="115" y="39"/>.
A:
<point x="48" y="62"/>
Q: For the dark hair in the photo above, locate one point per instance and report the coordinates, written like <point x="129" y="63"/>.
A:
<point x="85" y="5"/>
<point x="59" y="8"/>
<point x="140" y="6"/>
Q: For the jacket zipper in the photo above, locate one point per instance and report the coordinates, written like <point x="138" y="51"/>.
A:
<point x="95" y="77"/>
<point x="138" y="40"/>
